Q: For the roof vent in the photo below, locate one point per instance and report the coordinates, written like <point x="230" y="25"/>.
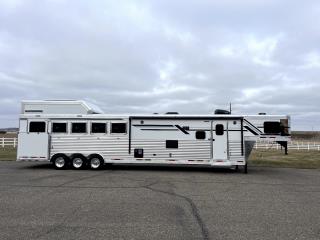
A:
<point x="221" y="111"/>
<point x="172" y="113"/>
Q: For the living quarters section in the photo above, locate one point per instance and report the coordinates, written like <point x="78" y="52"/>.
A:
<point x="171" y="140"/>
<point x="187" y="140"/>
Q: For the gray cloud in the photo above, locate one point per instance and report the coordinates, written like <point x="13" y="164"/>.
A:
<point x="159" y="56"/>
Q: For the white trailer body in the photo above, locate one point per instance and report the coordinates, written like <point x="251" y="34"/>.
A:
<point x="90" y="136"/>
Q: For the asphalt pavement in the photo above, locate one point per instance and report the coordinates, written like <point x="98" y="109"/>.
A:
<point x="152" y="202"/>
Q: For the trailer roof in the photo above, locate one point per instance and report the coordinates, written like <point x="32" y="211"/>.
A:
<point x="79" y="109"/>
<point x="147" y="116"/>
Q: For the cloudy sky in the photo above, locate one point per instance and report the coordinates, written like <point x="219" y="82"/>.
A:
<point x="158" y="56"/>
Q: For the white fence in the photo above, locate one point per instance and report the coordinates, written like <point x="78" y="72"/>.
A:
<point x="293" y="145"/>
<point x="8" y="142"/>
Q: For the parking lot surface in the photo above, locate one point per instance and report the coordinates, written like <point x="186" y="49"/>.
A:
<point x="152" y="202"/>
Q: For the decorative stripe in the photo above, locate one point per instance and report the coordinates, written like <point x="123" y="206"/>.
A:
<point x="157" y="129"/>
<point x="253" y="132"/>
<point x="33" y="111"/>
<point x="152" y="125"/>
<point x="253" y="126"/>
<point x="182" y="129"/>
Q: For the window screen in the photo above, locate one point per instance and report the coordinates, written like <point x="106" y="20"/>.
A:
<point x="118" y="127"/>
<point x="59" y="127"/>
<point x="200" y="134"/>
<point x="37" y="127"/>
<point x="219" y="129"/>
<point x="98" y="128"/>
<point x="79" y="127"/>
<point x="272" y="127"/>
<point x="172" y="144"/>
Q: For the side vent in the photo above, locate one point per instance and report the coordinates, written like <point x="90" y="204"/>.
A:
<point x="138" y="153"/>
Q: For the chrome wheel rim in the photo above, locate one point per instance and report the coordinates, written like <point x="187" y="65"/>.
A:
<point x="60" y="162"/>
<point x="77" y="162"/>
<point x="95" y="163"/>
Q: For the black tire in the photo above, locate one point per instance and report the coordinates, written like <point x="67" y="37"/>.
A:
<point x="60" y="161"/>
<point x="95" y="162"/>
<point x="78" y="161"/>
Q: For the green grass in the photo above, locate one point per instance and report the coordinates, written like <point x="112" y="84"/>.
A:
<point x="8" y="153"/>
<point x="276" y="158"/>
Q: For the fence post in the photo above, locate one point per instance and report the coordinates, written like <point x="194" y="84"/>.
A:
<point x="3" y="142"/>
<point x="14" y="142"/>
<point x="308" y="146"/>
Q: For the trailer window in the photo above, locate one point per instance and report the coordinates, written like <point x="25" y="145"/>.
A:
<point x="219" y="129"/>
<point x="98" y="128"/>
<point x="37" y="127"/>
<point x="79" y="128"/>
<point x="59" y="127"/>
<point x="118" y="127"/>
<point x="172" y="144"/>
<point x="200" y="134"/>
<point x="272" y="127"/>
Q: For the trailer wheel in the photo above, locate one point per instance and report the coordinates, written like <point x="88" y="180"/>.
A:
<point x="96" y="162"/>
<point x="60" y="161"/>
<point x="78" y="161"/>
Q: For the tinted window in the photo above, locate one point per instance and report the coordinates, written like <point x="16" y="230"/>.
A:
<point x="79" y="127"/>
<point x="37" y="127"/>
<point x="219" y="129"/>
<point x="98" y="128"/>
<point x="272" y="127"/>
<point x="118" y="128"/>
<point x="59" y="127"/>
<point x="172" y="144"/>
<point x="200" y="134"/>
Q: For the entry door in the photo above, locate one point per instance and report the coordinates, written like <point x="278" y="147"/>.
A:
<point x="34" y="142"/>
<point x="219" y="130"/>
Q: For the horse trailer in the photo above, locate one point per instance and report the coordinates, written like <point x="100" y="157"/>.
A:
<point x="77" y="134"/>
